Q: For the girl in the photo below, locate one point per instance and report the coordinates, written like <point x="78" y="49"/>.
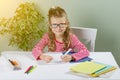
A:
<point x="59" y="39"/>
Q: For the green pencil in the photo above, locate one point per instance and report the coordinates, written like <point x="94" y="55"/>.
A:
<point x="32" y="69"/>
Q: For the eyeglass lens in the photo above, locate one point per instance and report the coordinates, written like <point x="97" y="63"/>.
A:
<point x="61" y="25"/>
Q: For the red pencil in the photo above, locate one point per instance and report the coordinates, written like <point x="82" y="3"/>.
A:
<point x="28" y="69"/>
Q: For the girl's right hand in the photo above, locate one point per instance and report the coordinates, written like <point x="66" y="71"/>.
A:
<point x="46" y="58"/>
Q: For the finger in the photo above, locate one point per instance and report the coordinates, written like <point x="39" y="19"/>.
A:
<point x="63" y="56"/>
<point x="49" y="58"/>
<point x="65" y="60"/>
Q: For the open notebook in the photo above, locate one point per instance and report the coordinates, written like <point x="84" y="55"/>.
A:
<point x="56" y="58"/>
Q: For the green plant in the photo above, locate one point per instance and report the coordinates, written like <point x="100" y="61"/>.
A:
<point x="25" y="27"/>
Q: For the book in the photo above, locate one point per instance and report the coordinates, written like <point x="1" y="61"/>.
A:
<point x="82" y="60"/>
<point x="87" y="67"/>
<point x="93" y="69"/>
<point x="108" y="68"/>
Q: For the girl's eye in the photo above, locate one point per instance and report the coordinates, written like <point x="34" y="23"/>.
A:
<point x="61" y="25"/>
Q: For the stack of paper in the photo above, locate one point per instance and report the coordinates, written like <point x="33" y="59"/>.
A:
<point x="93" y="69"/>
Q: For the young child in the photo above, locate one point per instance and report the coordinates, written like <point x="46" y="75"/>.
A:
<point x="59" y="39"/>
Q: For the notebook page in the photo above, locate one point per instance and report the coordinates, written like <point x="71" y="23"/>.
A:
<point x="87" y="67"/>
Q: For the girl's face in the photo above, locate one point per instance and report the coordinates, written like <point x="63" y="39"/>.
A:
<point x="58" y="25"/>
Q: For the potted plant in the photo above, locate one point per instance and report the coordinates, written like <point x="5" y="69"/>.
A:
<point x="25" y="27"/>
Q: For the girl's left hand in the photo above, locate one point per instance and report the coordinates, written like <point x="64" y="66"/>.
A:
<point x="66" y="58"/>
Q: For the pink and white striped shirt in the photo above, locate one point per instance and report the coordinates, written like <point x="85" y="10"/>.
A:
<point x="75" y="45"/>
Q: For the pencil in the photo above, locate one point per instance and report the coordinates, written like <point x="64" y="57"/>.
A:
<point x="68" y="51"/>
<point x="32" y="69"/>
<point x="28" y="69"/>
<point x="13" y="62"/>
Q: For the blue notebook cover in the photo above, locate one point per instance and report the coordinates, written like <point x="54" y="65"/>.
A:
<point x="104" y="70"/>
<point x="81" y="60"/>
<point x="108" y="67"/>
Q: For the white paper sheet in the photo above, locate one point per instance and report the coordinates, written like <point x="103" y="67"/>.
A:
<point x="56" y="58"/>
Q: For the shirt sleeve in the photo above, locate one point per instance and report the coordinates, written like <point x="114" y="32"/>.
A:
<point x="79" y="47"/>
<point x="39" y="47"/>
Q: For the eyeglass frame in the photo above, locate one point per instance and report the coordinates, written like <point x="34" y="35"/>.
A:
<point x="60" y="25"/>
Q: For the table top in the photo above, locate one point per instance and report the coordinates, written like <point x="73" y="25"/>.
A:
<point x="51" y="71"/>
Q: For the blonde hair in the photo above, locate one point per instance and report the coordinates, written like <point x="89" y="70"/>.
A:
<point x="58" y="12"/>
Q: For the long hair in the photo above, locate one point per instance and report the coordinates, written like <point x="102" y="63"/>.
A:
<point x="58" y="13"/>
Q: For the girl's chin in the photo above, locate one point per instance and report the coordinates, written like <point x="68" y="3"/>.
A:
<point x="60" y="33"/>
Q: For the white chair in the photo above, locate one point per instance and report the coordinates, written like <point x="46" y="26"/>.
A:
<point x="86" y="35"/>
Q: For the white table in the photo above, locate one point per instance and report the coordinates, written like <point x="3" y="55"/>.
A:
<point x="50" y="71"/>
